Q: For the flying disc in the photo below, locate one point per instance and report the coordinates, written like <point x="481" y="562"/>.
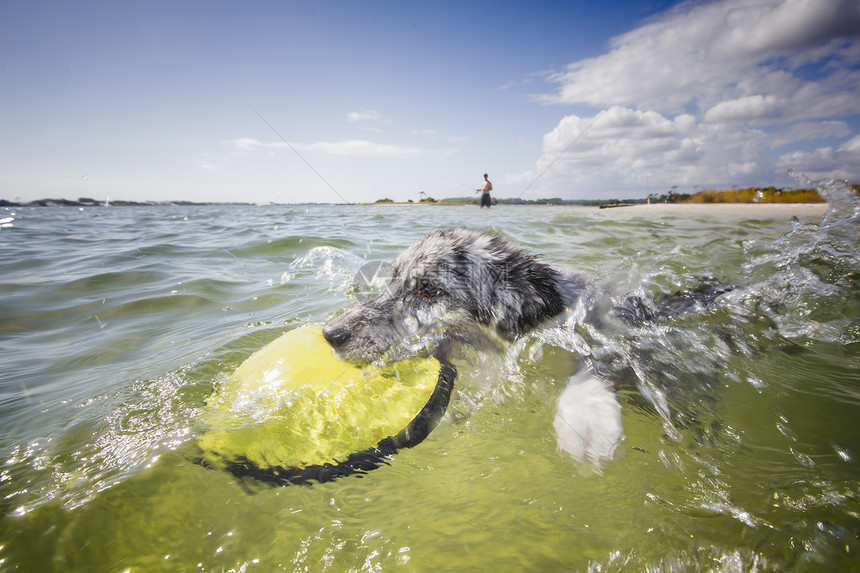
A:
<point x="293" y="411"/>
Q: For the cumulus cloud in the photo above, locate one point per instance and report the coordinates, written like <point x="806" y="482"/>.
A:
<point x="722" y="51"/>
<point x="747" y="108"/>
<point x="697" y="93"/>
<point x="825" y="162"/>
<point x="623" y="148"/>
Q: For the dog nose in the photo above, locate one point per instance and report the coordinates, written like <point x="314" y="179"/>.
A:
<point x="335" y="336"/>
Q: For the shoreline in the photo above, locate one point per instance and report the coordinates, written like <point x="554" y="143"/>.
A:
<point x="801" y="209"/>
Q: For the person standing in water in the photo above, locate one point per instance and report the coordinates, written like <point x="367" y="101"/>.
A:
<point x="485" y="193"/>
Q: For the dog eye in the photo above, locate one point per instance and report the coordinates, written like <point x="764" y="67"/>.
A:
<point x="429" y="291"/>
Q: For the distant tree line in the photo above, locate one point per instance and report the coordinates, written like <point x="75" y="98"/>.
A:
<point x="746" y="195"/>
<point x="89" y="202"/>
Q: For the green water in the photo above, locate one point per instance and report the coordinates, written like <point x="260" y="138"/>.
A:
<point x="116" y="324"/>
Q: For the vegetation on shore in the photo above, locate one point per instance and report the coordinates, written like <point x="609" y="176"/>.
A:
<point x="757" y="195"/>
<point x="746" y="195"/>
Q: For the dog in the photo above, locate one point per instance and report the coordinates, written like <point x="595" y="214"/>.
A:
<point x="455" y="279"/>
<point x="458" y="284"/>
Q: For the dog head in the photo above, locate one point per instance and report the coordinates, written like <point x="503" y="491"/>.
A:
<point x="442" y="287"/>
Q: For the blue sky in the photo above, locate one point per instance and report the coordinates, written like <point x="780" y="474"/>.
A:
<point x="355" y="101"/>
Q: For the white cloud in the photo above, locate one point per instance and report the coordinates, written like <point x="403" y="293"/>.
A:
<point x="248" y="144"/>
<point x="353" y="148"/>
<point x="361" y="148"/>
<point x="825" y="162"/>
<point x="362" y="115"/>
<point x="748" y="108"/>
<point x="206" y="165"/>
<point x="624" y="148"/>
<point x="688" y="98"/>
<point x="721" y="51"/>
<point x="245" y="143"/>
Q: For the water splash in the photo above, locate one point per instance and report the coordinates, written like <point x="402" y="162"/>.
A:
<point x="800" y="287"/>
<point x="109" y="438"/>
<point x="806" y="279"/>
<point x="336" y="265"/>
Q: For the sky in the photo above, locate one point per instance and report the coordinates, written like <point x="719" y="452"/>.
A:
<point x="353" y="101"/>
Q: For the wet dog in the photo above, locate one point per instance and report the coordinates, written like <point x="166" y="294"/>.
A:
<point x="457" y="278"/>
<point x="457" y="284"/>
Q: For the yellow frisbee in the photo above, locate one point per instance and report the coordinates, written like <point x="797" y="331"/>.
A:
<point x="294" y="412"/>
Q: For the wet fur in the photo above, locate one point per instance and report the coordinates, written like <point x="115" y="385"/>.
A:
<point x="455" y="280"/>
<point x="449" y="279"/>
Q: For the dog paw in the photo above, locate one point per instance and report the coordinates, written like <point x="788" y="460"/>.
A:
<point x="588" y="420"/>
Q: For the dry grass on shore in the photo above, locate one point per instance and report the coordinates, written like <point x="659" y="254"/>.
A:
<point x="756" y="195"/>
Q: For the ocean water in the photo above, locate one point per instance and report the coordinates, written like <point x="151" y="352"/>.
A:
<point x="741" y="447"/>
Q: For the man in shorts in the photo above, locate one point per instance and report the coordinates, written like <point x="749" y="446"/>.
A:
<point x="485" y="193"/>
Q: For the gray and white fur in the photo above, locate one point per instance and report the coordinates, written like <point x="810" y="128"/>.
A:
<point x="456" y="278"/>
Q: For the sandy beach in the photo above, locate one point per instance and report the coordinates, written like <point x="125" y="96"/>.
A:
<point x="729" y="209"/>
